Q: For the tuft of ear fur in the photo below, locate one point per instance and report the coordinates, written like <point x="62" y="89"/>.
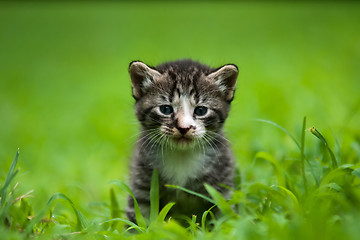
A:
<point x="225" y="77"/>
<point x="142" y="76"/>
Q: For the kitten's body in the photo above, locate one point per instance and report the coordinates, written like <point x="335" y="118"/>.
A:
<point x="181" y="107"/>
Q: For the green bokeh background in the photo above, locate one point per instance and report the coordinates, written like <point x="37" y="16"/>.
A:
<point x="65" y="96"/>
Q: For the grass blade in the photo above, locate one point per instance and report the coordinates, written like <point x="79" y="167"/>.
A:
<point x="193" y="225"/>
<point x="220" y="201"/>
<point x="162" y="215"/>
<point x="356" y="172"/>
<point x="154" y="196"/>
<point x="139" y="217"/>
<point x="277" y="168"/>
<point x="338" y="173"/>
<point x="317" y="134"/>
<point x="302" y="150"/>
<point x="191" y="192"/>
<point x="203" y="218"/>
<point x="131" y="224"/>
<point x="114" y="208"/>
<point x="81" y="221"/>
<point x="11" y="174"/>
<point x="282" y="129"/>
<point x="296" y="205"/>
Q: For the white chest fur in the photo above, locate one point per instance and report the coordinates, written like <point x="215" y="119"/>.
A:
<point x="179" y="166"/>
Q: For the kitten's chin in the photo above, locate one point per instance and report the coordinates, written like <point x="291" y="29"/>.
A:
<point x="183" y="142"/>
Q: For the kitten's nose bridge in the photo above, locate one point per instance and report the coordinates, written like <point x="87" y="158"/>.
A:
<point x="184" y="124"/>
<point x="185" y="119"/>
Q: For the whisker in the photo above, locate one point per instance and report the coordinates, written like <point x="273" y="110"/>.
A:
<point x="154" y="142"/>
<point x="215" y="138"/>
<point x="164" y="140"/>
<point x="213" y="144"/>
<point x="219" y="135"/>
<point x="205" y="137"/>
<point x="147" y="135"/>
<point x="143" y="131"/>
<point x="150" y="140"/>
<point x="201" y="146"/>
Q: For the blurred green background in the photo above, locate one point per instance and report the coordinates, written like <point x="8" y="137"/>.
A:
<point x="65" y="96"/>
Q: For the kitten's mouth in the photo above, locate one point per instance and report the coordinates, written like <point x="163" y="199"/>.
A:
<point x="183" y="140"/>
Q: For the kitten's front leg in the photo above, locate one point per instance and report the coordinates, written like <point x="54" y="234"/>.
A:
<point x="140" y="186"/>
<point x="144" y="205"/>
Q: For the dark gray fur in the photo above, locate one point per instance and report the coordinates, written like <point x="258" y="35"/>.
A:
<point x="166" y="84"/>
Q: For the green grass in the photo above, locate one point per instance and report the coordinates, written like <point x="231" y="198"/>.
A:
<point x="65" y="101"/>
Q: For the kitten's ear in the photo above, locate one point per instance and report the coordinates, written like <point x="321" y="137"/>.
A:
<point x="142" y="76"/>
<point x="226" y="77"/>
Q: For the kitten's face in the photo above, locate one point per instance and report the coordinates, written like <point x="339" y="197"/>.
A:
<point x="182" y="104"/>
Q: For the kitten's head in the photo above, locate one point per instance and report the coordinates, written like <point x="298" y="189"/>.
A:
<point x="183" y="103"/>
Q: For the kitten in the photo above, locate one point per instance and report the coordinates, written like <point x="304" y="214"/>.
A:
<point x="181" y="107"/>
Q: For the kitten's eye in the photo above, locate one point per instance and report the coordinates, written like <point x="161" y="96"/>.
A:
<point x="166" y="109"/>
<point x="200" y="111"/>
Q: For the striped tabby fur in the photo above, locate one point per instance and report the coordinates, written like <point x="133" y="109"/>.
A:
<point x="181" y="107"/>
